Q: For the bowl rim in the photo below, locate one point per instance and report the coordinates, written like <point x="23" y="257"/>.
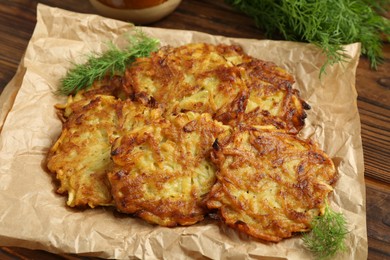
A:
<point x="166" y="3"/>
<point x="137" y="16"/>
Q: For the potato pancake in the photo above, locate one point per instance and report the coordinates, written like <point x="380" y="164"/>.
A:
<point x="194" y="77"/>
<point x="272" y="99"/>
<point x="270" y="184"/>
<point x="80" y="157"/>
<point x="217" y="79"/>
<point x="162" y="171"/>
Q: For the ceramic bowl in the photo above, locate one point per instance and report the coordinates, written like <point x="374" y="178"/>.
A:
<point x="136" y="15"/>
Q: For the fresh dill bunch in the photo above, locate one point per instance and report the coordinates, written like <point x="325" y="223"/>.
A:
<point x="327" y="235"/>
<point x="111" y="62"/>
<point x="329" y="24"/>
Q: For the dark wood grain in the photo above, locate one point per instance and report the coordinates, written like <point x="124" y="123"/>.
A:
<point x="17" y="21"/>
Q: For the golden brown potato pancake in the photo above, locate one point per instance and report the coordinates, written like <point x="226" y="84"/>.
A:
<point x="217" y="79"/>
<point x="80" y="157"/>
<point x="193" y="77"/>
<point x="272" y="99"/>
<point x="270" y="184"/>
<point x="163" y="171"/>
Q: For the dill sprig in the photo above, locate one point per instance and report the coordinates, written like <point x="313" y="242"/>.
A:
<point x="328" y="24"/>
<point x="327" y="235"/>
<point x="111" y="62"/>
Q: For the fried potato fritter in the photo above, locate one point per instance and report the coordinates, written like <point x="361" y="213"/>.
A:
<point x="80" y="157"/>
<point x="194" y="77"/>
<point x="163" y="172"/>
<point x="270" y="184"/>
<point x="221" y="80"/>
<point x="272" y="99"/>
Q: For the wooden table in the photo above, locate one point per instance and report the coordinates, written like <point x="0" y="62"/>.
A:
<point x="17" y="21"/>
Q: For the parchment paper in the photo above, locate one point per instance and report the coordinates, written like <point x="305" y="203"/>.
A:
<point x="33" y="216"/>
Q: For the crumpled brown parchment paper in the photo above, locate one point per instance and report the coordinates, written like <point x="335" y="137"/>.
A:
<point x="33" y="216"/>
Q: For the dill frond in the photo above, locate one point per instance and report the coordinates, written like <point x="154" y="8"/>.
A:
<point x="327" y="235"/>
<point x="328" y="24"/>
<point x="112" y="62"/>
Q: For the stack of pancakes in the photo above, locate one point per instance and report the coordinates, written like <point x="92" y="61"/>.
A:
<point x="190" y="131"/>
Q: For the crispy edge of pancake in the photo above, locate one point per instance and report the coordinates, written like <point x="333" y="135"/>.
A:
<point x="163" y="172"/>
<point x="270" y="184"/>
